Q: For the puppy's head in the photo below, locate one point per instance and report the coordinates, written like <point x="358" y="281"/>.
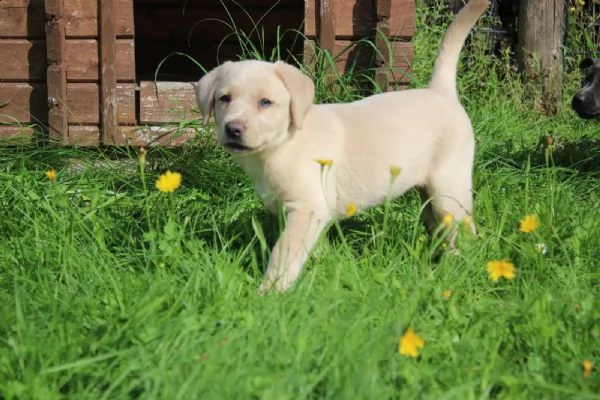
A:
<point x="586" y="101"/>
<point x="257" y="104"/>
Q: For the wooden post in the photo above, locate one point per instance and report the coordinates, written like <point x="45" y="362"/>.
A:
<point x="327" y="24"/>
<point x="539" y="52"/>
<point x="56" y="76"/>
<point x="108" y="76"/>
<point x="383" y="9"/>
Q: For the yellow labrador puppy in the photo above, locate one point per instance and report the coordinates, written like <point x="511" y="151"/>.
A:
<point x="318" y="160"/>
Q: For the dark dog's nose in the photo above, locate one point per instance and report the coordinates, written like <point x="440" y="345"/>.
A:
<point x="234" y="130"/>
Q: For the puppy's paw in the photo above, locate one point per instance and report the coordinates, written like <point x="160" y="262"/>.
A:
<point x="265" y="287"/>
<point x="268" y="285"/>
<point x="453" y="251"/>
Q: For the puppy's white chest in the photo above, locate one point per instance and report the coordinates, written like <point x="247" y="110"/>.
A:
<point x="294" y="182"/>
<point x="270" y="197"/>
<point x="263" y="182"/>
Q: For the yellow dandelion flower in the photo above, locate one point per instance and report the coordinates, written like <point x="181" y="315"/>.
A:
<point x="168" y="182"/>
<point x="410" y="344"/>
<point x="587" y="367"/>
<point x="529" y="223"/>
<point x="324" y="162"/>
<point x="467" y="221"/>
<point x="446" y="294"/>
<point x="351" y="209"/>
<point x="572" y="9"/>
<point x="51" y="175"/>
<point x="501" y="269"/>
<point x="395" y="171"/>
<point x="447" y="219"/>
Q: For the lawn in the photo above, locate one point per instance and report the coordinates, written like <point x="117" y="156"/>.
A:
<point x="110" y="289"/>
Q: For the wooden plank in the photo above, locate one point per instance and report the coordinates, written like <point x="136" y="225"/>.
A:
<point x="165" y="136"/>
<point x="83" y="60"/>
<point x="27" y="103"/>
<point x="108" y="74"/>
<point x="382" y="57"/>
<point x="358" y="18"/>
<point x="24" y="103"/>
<point x="348" y="24"/>
<point x="22" y="19"/>
<point x="83" y="102"/>
<point x="57" y="109"/>
<point x="56" y="76"/>
<point x="82" y="18"/>
<point x="400" y="59"/>
<point x="327" y="24"/>
<point x="402" y="19"/>
<point x="394" y="78"/>
<point x="24" y="3"/>
<point x="26" y="18"/>
<point x="166" y="102"/>
<point x="199" y="25"/>
<point x="26" y="60"/>
<point x="83" y="136"/>
<point x="54" y="7"/>
<point x="360" y="56"/>
<point x="16" y="135"/>
<point x="23" y="59"/>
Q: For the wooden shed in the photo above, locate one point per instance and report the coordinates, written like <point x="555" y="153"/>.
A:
<point x="86" y="71"/>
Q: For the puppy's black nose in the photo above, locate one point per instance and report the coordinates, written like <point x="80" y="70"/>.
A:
<point x="234" y="129"/>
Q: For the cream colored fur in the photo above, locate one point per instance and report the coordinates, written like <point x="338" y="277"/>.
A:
<point x="279" y="135"/>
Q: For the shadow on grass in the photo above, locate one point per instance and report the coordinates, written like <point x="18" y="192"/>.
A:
<point x="238" y="217"/>
<point x="581" y="155"/>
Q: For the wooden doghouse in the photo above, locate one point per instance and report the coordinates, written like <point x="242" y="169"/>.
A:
<point x="87" y="71"/>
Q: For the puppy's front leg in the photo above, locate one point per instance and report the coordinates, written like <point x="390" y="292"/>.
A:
<point x="301" y="232"/>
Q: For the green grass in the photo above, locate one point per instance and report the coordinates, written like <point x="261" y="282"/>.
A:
<point x="112" y="290"/>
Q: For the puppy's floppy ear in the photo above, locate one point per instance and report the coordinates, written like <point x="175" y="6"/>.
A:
<point x="205" y="93"/>
<point x="588" y="62"/>
<point x="301" y="89"/>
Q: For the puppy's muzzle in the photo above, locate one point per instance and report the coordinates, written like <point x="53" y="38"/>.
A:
<point x="234" y="132"/>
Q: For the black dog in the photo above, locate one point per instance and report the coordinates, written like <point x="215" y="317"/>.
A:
<point x="586" y="101"/>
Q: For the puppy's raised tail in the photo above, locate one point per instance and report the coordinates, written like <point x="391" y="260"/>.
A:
<point x="443" y="78"/>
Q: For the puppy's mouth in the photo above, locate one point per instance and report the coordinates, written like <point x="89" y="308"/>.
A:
<point x="235" y="147"/>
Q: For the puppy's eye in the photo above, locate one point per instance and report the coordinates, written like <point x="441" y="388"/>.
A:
<point x="225" y="98"/>
<point x="264" y="103"/>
